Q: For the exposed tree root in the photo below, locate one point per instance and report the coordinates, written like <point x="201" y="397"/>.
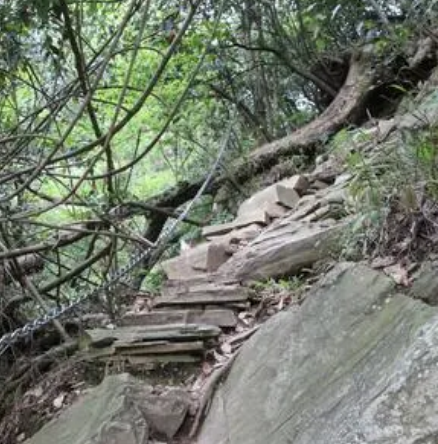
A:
<point x="208" y="391"/>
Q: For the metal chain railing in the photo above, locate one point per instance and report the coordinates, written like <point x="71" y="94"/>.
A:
<point x="10" y="338"/>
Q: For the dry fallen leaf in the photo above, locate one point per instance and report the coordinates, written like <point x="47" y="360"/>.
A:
<point x="226" y="348"/>
<point x="207" y="368"/>
<point x="59" y="401"/>
<point x="399" y="274"/>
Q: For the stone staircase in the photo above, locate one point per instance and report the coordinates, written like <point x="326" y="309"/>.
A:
<point x="278" y="230"/>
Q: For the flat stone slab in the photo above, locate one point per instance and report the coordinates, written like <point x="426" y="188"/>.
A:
<point x="237" y="237"/>
<point x="204" y="294"/>
<point x="135" y="334"/>
<point x="285" y="193"/>
<point x="319" y="185"/>
<point x="220" y="318"/>
<point x="259" y="216"/>
<point x="357" y="363"/>
<point x="284" y="248"/>
<point x="159" y="348"/>
<point x="211" y="288"/>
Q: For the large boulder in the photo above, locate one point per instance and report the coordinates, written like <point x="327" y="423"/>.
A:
<point x="121" y="410"/>
<point x="357" y="363"/>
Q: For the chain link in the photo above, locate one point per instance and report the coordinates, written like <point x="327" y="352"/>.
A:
<point x="10" y="338"/>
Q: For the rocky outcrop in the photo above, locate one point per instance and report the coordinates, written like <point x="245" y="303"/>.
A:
<point x="284" y="249"/>
<point x="121" y="410"/>
<point x="207" y="284"/>
<point x="357" y="363"/>
<point x="280" y="229"/>
<point x="291" y="243"/>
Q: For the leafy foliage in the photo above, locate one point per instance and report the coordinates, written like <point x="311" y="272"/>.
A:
<point x="394" y="194"/>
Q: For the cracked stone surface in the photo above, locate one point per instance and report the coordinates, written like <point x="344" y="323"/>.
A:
<point x="357" y="363"/>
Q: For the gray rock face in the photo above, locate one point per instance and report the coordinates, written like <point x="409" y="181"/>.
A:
<point x="121" y="410"/>
<point x="355" y="364"/>
<point x="283" y="248"/>
<point x="425" y="286"/>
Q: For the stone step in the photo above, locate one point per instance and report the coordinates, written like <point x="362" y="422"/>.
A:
<point x="159" y="348"/>
<point x="221" y="318"/>
<point x="203" y="295"/>
<point x="258" y="216"/>
<point x="212" y="288"/>
<point x="102" y="337"/>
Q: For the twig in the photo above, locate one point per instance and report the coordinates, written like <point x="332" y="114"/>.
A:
<point x="240" y="337"/>
<point x="27" y="284"/>
<point x="22" y="374"/>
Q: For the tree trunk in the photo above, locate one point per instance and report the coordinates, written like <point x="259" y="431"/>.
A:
<point x="347" y="108"/>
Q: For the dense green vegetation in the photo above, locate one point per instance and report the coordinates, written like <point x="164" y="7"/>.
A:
<point x="110" y="103"/>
